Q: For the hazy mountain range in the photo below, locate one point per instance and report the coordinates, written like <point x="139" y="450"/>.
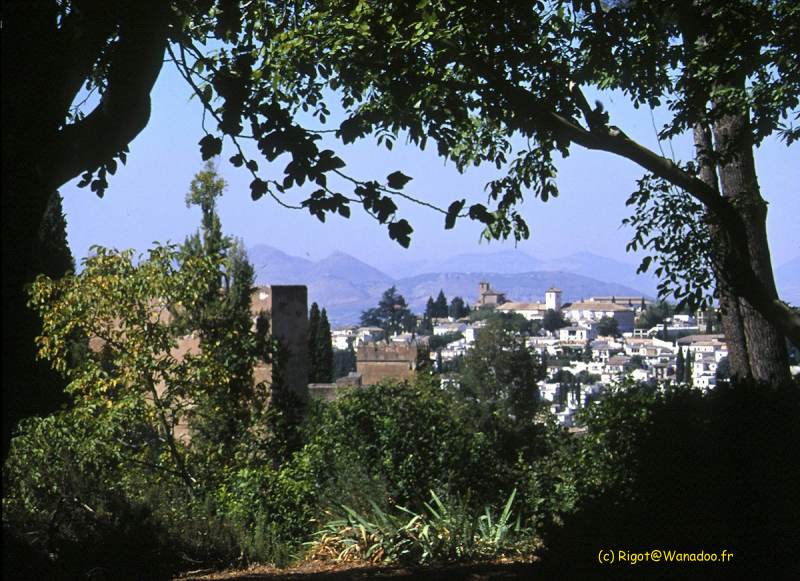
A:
<point x="345" y="285"/>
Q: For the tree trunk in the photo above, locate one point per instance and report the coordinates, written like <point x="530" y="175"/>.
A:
<point x="46" y="58"/>
<point x="732" y="323"/>
<point x="766" y="347"/>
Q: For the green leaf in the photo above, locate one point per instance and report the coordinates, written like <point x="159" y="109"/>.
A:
<point x="210" y="146"/>
<point x="452" y="213"/>
<point x="397" y="180"/>
<point x="401" y="231"/>
<point x="258" y="188"/>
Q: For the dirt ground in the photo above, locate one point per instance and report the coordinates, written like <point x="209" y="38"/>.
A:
<point x="336" y="572"/>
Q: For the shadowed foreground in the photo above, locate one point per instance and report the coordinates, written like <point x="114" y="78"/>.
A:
<point x="480" y="572"/>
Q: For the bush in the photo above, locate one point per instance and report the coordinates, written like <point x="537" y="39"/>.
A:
<point x="87" y="489"/>
<point x="384" y="445"/>
<point x="687" y="471"/>
<point x="444" y="531"/>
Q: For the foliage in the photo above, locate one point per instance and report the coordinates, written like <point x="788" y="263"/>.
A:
<point x="223" y="323"/>
<point x="655" y="314"/>
<point x="123" y="309"/>
<point x="608" y="326"/>
<point x="445" y="531"/>
<point x="680" y="366"/>
<point x="466" y="79"/>
<point x="553" y="320"/>
<point x="320" y="347"/>
<point x="699" y="464"/>
<point x="440" y="305"/>
<point x="723" y="372"/>
<point x="673" y="228"/>
<point x="458" y="308"/>
<point x="344" y="360"/>
<point x="392" y="314"/>
<point x="513" y="321"/>
<point x="501" y="373"/>
<point x="53" y="256"/>
<point x="436" y="342"/>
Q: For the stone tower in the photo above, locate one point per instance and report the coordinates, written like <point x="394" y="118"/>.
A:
<point x="286" y="308"/>
<point x="552" y="299"/>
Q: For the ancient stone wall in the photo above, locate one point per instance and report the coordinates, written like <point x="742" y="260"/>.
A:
<point x="378" y="361"/>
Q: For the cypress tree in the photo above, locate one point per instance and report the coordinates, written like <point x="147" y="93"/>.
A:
<point x="430" y="309"/>
<point x="680" y="366"/>
<point x="440" y="306"/>
<point x="324" y="350"/>
<point x="687" y="375"/>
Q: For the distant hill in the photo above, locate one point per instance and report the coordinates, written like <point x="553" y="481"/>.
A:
<point x="787" y="277"/>
<point x="602" y="268"/>
<point x="345" y="286"/>
<point x="504" y="261"/>
<point x="518" y="262"/>
<point x="342" y="265"/>
<point x="282" y="268"/>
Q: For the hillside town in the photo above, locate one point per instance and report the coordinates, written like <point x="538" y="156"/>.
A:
<point x="596" y="343"/>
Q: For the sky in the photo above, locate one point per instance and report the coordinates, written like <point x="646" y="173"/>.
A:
<point x="145" y="199"/>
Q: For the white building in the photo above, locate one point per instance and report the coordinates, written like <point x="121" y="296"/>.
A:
<point x="340" y="337"/>
<point x="552" y="299"/>
<point x="531" y="311"/>
<point x="449" y="328"/>
<point x="593" y="311"/>
<point x="576" y="334"/>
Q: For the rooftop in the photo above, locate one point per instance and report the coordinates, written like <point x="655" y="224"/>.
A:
<point x="596" y="306"/>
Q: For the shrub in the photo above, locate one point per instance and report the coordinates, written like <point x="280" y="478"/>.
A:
<point x="444" y="531"/>
<point x="688" y="471"/>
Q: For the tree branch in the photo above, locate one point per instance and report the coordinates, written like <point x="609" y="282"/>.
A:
<point x="736" y="262"/>
<point x="124" y="110"/>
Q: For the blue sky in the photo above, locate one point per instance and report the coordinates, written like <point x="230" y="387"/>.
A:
<point x="145" y="200"/>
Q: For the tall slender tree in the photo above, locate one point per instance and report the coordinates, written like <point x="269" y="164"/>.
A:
<point x="223" y="320"/>
<point x="688" y="368"/>
<point x="440" y="305"/>
<point x="680" y="366"/>
<point x="324" y="350"/>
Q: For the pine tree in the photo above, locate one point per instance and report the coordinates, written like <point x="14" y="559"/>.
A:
<point x="324" y="350"/>
<point x="427" y="318"/>
<point x="392" y="314"/>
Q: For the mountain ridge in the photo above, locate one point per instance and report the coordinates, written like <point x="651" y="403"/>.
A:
<point x="346" y="286"/>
